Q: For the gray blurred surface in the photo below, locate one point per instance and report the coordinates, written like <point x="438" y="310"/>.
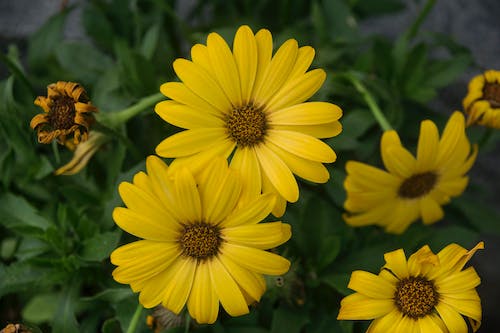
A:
<point x="473" y="23"/>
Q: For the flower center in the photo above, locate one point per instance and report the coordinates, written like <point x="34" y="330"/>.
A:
<point x="200" y="240"/>
<point x="62" y="112"/>
<point x="417" y="185"/>
<point x="491" y="93"/>
<point x="416" y="296"/>
<point x="247" y="125"/>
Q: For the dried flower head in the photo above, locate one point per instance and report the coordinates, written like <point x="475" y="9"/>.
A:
<point x="67" y="113"/>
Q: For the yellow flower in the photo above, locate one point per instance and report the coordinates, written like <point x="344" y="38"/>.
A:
<point x="411" y="188"/>
<point x="200" y="246"/>
<point x="482" y="102"/>
<point x="428" y="293"/>
<point x="67" y="111"/>
<point x="248" y="104"/>
<point x="82" y="154"/>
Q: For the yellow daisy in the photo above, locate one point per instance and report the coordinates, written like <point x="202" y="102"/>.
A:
<point x="482" y="102"/>
<point x="411" y="188"/>
<point x="67" y="112"/>
<point x="248" y="104"/>
<point x="199" y="246"/>
<point x="428" y="293"/>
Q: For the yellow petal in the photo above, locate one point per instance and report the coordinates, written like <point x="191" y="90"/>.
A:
<point x="395" y="261"/>
<point x="467" y="307"/>
<point x="428" y="143"/>
<point x="152" y="290"/>
<point x="452" y="134"/>
<point x="458" y="282"/>
<point x="224" y="68"/>
<point x="427" y="324"/>
<point x="225" y="196"/>
<point x="360" y="307"/>
<point x="431" y="211"/>
<point x="321" y="131"/>
<point x="310" y="113"/>
<point x="262" y="236"/>
<point x="370" y="177"/>
<point x="452" y="319"/>
<point x="387" y="323"/>
<point x="199" y="55"/>
<point x="180" y="93"/>
<point x="245" y="162"/>
<point x="227" y="290"/>
<point x="422" y="262"/>
<point x="142" y="226"/>
<point x="403" y="213"/>
<point x="251" y="212"/>
<point x="179" y="285"/>
<point x="297" y="90"/>
<point x="245" y="55"/>
<point x="304" y="60"/>
<point x="201" y="83"/>
<point x="371" y="285"/>
<point x="190" y="142"/>
<point x="277" y="72"/>
<point x="306" y="169"/>
<point x="188" y="197"/>
<point x="302" y="145"/>
<point x="278" y="173"/>
<point x="185" y="116"/>
<point x="399" y="161"/>
<point x="203" y="302"/>
<point x="264" y="42"/>
<point x="256" y="260"/>
<point x="253" y="284"/>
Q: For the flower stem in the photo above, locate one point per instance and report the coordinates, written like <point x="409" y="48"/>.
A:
<point x="188" y="320"/>
<point x="115" y="119"/>
<point x="132" y="327"/>
<point x="370" y="101"/>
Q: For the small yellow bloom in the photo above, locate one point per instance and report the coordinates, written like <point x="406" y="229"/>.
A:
<point x="82" y="154"/>
<point x="482" y="102"/>
<point x="200" y="246"/>
<point x="248" y="104"/>
<point x="411" y="188"/>
<point x="67" y="112"/>
<point x="426" y="293"/>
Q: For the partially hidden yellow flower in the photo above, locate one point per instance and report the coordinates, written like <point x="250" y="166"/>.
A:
<point x="67" y="114"/>
<point x="82" y="154"/>
<point x="482" y="103"/>
<point x="411" y="188"/>
<point x="426" y="293"/>
<point x="250" y="105"/>
<point x="199" y="245"/>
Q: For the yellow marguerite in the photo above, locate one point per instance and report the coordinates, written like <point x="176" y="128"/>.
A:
<point x="248" y="104"/>
<point x="199" y="245"/>
<point x="411" y="188"/>
<point x="482" y="102"/>
<point x="427" y="293"/>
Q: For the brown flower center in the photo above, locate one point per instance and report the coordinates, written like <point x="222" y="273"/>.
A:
<point x="417" y="185"/>
<point x="200" y="240"/>
<point x="247" y="125"/>
<point x="491" y="93"/>
<point x="62" y="113"/>
<point x="416" y="296"/>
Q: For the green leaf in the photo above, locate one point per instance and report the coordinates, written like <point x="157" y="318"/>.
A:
<point x="111" y="295"/>
<point x="40" y="308"/>
<point x="8" y="247"/>
<point x="482" y="217"/>
<point x="444" y="235"/>
<point x="442" y="73"/>
<point x="338" y="281"/>
<point x="82" y="60"/>
<point x="150" y="41"/>
<point x="111" y="326"/>
<point x="65" y="318"/>
<point x="16" y="212"/>
<point x="46" y="40"/>
<point x="288" y="320"/>
<point x="100" y="246"/>
<point x="330" y="248"/>
<point x="20" y="276"/>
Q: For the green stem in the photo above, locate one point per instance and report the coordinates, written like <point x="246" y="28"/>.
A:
<point x="55" y="150"/>
<point x="412" y="31"/>
<point x="135" y="319"/>
<point x="370" y="101"/>
<point x="188" y="320"/>
<point x="115" y="119"/>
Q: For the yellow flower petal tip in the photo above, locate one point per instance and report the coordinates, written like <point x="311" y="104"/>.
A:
<point x="409" y="293"/>
<point x="67" y="117"/>
<point x="201" y="245"/>
<point x="247" y="99"/>
<point x="411" y="187"/>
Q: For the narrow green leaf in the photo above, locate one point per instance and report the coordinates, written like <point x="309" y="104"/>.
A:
<point x="65" y="318"/>
<point x="16" y="211"/>
<point x="40" y="308"/>
<point x="100" y="246"/>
